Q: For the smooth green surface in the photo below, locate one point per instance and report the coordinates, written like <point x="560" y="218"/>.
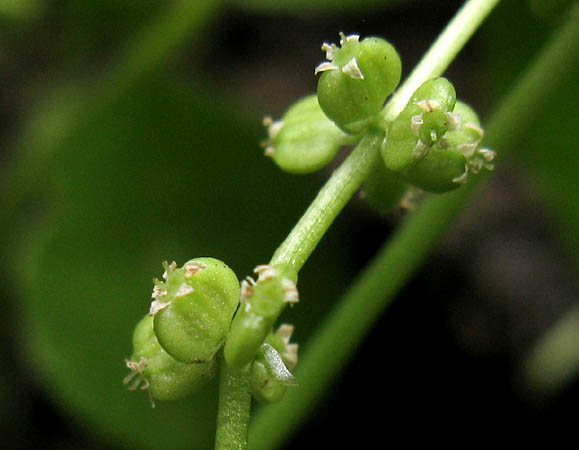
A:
<point x="193" y="325"/>
<point x="234" y="409"/>
<point x="383" y="189"/>
<point x="353" y="102"/>
<point x="253" y="322"/>
<point x="308" y="140"/>
<point x="436" y="172"/>
<point x="163" y="376"/>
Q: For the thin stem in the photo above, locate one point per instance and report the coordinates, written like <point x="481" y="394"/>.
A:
<point x="372" y="292"/>
<point x="233" y="409"/>
<point x="347" y="179"/>
<point x="441" y="53"/>
<point x="331" y="199"/>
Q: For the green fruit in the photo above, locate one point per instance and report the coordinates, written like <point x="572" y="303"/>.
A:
<point x="261" y="304"/>
<point x="440" y="171"/>
<point x="424" y="121"/>
<point x="438" y="89"/>
<point x="354" y="85"/>
<point x="383" y="189"/>
<point x="193" y="308"/>
<point x="304" y="140"/>
<point x="466" y="113"/>
<point x="452" y="157"/>
<point x="153" y="369"/>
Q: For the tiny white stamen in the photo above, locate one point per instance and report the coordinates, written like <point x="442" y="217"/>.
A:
<point x="420" y="150"/>
<point x="269" y="151"/>
<point x="466" y="149"/>
<point x="454" y="121"/>
<point x="291" y="355"/>
<point x="352" y="70"/>
<point x="433" y="136"/>
<point x="416" y="122"/>
<point x="265" y="272"/>
<point x="462" y="178"/>
<point x="411" y="199"/>
<point x="267" y="121"/>
<point x="246" y="290"/>
<point x="325" y="66"/>
<point x="290" y="291"/>
<point x="285" y="332"/>
<point x="476" y="164"/>
<point x="168" y="268"/>
<point x="428" y="106"/>
<point x="184" y="290"/>
<point x="158" y="292"/>
<point x="330" y="50"/>
<point x="274" y="128"/>
<point x="192" y="268"/>
<point x="157" y="305"/>
<point x="487" y="154"/>
<point x="350" y="38"/>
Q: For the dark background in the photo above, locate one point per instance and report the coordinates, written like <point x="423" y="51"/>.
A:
<point x="136" y="179"/>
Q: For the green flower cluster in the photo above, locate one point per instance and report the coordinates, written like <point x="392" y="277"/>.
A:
<point x="433" y="145"/>
<point x="175" y="345"/>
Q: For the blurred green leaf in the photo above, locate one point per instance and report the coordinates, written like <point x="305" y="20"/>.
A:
<point x="20" y="9"/>
<point x="168" y="172"/>
<point x="307" y="6"/>
<point x="549" y="153"/>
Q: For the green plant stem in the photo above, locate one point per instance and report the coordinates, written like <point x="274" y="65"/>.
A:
<point x="330" y="348"/>
<point x="347" y="179"/>
<point x="331" y="199"/>
<point x="233" y="409"/>
<point x="441" y="53"/>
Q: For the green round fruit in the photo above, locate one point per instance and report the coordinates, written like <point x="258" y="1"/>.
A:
<point x="155" y="370"/>
<point x="261" y="304"/>
<point x="304" y="140"/>
<point x="383" y="189"/>
<point x="440" y="171"/>
<point x="355" y="84"/>
<point x="424" y="121"/>
<point x="193" y="308"/>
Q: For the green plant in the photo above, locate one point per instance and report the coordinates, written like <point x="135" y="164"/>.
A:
<point x="438" y="165"/>
<point x="429" y="143"/>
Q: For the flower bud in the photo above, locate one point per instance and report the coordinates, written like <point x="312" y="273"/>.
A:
<point x="162" y="375"/>
<point x="262" y="302"/>
<point x="304" y="140"/>
<point x="356" y="80"/>
<point x="193" y="308"/>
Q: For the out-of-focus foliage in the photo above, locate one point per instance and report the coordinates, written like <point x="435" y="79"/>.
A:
<point x="300" y="7"/>
<point x="169" y="169"/>
<point x="548" y="153"/>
